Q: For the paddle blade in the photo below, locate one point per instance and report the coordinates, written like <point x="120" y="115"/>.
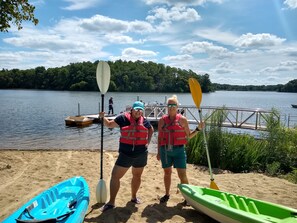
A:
<point x="101" y="192"/>
<point x="213" y="185"/>
<point x="195" y="91"/>
<point x="103" y="76"/>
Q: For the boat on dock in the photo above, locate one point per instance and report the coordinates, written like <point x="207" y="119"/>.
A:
<point x="79" y="121"/>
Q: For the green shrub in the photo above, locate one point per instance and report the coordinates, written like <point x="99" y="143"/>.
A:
<point x="274" y="154"/>
<point x="273" y="169"/>
<point x="292" y="176"/>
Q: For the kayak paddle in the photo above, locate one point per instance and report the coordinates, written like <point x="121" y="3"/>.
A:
<point x="197" y="98"/>
<point x="103" y="79"/>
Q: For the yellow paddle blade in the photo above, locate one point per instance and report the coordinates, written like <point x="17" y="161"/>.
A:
<point x="195" y="91"/>
<point x="213" y="185"/>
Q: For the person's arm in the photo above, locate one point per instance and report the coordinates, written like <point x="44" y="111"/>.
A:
<point x="190" y="134"/>
<point x="108" y="123"/>
<point x="160" y="124"/>
<point x="150" y="134"/>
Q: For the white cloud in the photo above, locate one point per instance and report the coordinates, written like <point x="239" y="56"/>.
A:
<point x="291" y="4"/>
<point x="178" y="57"/>
<point x="173" y="14"/>
<point x="120" y="39"/>
<point x="282" y="66"/>
<point x="258" y="40"/>
<point x="103" y="24"/>
<point x="80" y="4"/>
<point x="216" y="35"/>
<point x="203" y="47"/>
<point x="133" y="54"/>
<point x="136" y="52"/>
<point x="180" y="2"/>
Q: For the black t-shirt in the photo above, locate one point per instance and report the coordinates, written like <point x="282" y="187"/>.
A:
<point x="128" y="149"/>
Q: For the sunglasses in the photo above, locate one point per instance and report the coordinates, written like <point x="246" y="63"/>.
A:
<point x="172" y="105"/>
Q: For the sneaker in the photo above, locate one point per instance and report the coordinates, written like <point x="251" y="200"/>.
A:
<point x="107" y="207"/>
<point x="164" y="199"/>
<point x="136" y="200"/>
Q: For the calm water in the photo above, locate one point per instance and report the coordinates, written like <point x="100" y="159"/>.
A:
<point x="35" y="119"/>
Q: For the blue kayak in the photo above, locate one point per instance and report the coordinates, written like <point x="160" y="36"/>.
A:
<point x="65" y="202"/>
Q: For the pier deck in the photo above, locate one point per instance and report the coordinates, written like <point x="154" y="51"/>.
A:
<point x="252" y="119"/>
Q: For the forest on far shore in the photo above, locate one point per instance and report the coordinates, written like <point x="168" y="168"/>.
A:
<point x="126" y="76"/>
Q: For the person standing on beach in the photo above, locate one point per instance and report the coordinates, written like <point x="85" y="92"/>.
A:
<point x="110" y="105"/>
<point x="136" y="134"/>
<point x="173" y="134"/>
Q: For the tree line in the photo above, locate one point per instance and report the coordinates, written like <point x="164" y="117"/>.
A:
<point x="291" y="86"/>
<point x="126" y="76"/>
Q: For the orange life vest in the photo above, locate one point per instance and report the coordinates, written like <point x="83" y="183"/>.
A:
<point x="172" y="132"/>
<point x="135" y="133"/>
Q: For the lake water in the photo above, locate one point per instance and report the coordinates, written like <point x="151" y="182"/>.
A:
<point x="34" y="119"/>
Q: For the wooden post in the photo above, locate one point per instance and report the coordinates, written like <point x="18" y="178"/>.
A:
<point x="78" y="109"/>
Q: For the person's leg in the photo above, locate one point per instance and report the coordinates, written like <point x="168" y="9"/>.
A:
<point x="167" y="184"/>
<point x="182" y="174"/>
<point x="117" y="173"/>
<point x="167" y="179"/>
<point x="136" y="181"/>
<point x="167" y="162"/>
<point x="180" y="163"/>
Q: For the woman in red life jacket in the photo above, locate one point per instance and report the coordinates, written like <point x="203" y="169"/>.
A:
<point x="173" y="134"/>
<point x="136" y="133"/>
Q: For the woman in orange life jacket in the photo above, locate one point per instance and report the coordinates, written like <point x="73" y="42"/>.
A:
<point x="173" y="134"/>
<point x="136" y="133"/>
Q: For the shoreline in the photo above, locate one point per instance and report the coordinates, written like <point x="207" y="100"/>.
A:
<point x="26" y="173"/>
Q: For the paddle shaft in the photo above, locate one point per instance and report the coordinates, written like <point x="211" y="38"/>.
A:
<point x="206" y="147"/>
<point x="102" y="126"/>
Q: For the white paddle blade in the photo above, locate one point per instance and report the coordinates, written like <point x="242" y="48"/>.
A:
<point x="101" y="192"/>
<point x="103" y="76"/>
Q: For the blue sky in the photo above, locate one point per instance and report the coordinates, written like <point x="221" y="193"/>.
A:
<point x="234" y="41"/>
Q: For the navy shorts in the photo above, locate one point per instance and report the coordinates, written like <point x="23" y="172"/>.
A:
<point x="138" y="161"/>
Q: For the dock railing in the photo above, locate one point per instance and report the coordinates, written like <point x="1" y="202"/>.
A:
<point x="254" y="119"/>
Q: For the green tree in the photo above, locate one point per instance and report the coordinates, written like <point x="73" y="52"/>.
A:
<point x="15" y="12"/>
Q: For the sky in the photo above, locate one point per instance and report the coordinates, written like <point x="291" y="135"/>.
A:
<point x="238" y="42"/>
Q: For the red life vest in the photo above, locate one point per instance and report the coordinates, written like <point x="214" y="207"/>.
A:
<point x="172" y="132"/>
<point x="135" y="133"/>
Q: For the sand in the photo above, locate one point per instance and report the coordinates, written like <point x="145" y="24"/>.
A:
<point x="24" y="174"/>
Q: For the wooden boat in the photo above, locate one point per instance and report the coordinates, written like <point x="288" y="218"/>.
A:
<point x="78" y="121"/>
<point x="65" y="202"/>
<point x="294" y="106"/>
<point x="231" y="208"/>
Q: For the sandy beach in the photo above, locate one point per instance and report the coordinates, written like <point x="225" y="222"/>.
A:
<point x="24" y="174"/>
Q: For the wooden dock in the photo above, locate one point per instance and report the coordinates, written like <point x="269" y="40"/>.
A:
<point x="252" y="119"/>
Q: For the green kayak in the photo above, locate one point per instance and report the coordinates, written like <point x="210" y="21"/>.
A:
<point x="230" y="208"/>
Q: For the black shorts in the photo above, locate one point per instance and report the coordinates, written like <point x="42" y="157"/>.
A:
<point x="136" y="161"/>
